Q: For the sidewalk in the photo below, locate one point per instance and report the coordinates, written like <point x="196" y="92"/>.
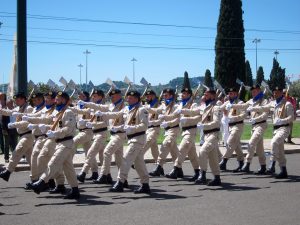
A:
<point x="79" y="156"/>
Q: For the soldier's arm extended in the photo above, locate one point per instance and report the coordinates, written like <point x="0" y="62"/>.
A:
<point x="191" y="112"/>
<point x="97" y="107"/>
<point x="84" y="111"/>
<point x="242" y="106"/>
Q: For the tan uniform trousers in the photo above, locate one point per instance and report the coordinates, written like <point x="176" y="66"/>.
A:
<point x="277" y="145"/>
<point x="151" y="142"/>
<point x="169" y="145"/>
<point x="187" y="147"/>
<point x="115" y="146"/>
<point x="209" y="152"/>
<point x="134" y="155"/>
<point x="97" y="147"/>
<point x="84" y="138"/>
<point x="234" y="142"/>
<point x="39" y="143"/>
<point x="24" y="147"/>
<point x="256" y="142"/>
<point x="62" y="160"/>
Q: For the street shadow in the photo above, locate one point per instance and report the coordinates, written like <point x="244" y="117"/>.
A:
<point x="230" y="187"/>
<point x="290" y="179"/>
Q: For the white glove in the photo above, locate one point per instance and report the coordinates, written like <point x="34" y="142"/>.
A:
<point x="25" y="118"/>
<point x="81" y="103"/>
<point x="50" y="134"/>
<point x="252" y="121"/>
<point x="250" y="108"/>
<point x="99" y="113"/>
<point x="298" y="112"/>
<point x="147" y="107"/>
<point x="116" y="128"/>
<point x="128" y="129"/>
<point x="31" y="126"/>
<point x="164" y="124"/>
<point x="89" y="124"/>
<point x="228" y="106"/>
<point x="177" y="111"/>
<point x="161" y="117"/>
<point x="42" y="128"/>
<point x="11" y="125"/>
<point x="81" y="122"/>
<point x="200" y="126"/>
<point x="16" y="114"/>
<point x="183" y="119"/>
<point x="278" y="122"/>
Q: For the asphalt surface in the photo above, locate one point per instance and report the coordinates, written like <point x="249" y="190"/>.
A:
<point x="243" y="199"/>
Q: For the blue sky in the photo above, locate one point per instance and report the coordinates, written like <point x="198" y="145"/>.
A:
<point x="157" y="65"/>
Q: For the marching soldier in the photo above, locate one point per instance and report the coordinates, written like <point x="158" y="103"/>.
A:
<point x="283" y="115"/>
<point x="235" y="119"/>
<point x="170" y="122"/>
<point x="99" y="129"/>
<point x="153" y="130"/>
<point x="63" y="131"/>
<point x="25" y="144"/>
<point x="259" y="125"/>
<point x="136" y="123"/>
<point x="189" y="131"/>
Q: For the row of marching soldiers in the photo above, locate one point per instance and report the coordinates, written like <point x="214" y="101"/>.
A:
<point x="51" y="127"/>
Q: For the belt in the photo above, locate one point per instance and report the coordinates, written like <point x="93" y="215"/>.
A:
<point x="211" y="131"/>
<point x="83" y="129"/>
<point x="235" y="123"/>
<point x="188" y="128"/>
<point x="168" y="128"/>
<point x="42" y="135"/>
<point x="259" y="122"/>
<point x="117" y="132"/>
<point x="278" y="126"/>
<point x="153" y="126"/>
<point x="136" y="134"/>
<point x="99" y="130"/>
<point x="28" y="132"/>
<point x="64" y="139"/>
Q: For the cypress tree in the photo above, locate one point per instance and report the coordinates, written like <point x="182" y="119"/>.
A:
<point x="208" y="79"/>
<point x="249" y="79"/>
<point x="260" y="75"/>
<point x="229" y="44"/>
<point x="277" y="76"/>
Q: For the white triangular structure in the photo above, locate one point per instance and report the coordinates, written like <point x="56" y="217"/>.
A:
<point x="13" y="79"/>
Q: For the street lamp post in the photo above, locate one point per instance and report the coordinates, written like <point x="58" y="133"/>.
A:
<point x="256" y="41"/>
<point x="133" y="71"/>
<point x="276" y="53"/>
<point x="80" y="66"/>
<point x="86" y="52"/>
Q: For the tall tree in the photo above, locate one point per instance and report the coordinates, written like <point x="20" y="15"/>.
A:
<point x="230" y="44"/>
<point x="260" y="76"/>
<point x="208" y="79"/>
<point x="249" y="79"/>
<point x="277" y="76"/>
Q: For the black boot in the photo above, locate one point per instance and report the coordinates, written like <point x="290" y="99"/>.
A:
<point x="144" y="188"/>
<point x="283" y="173"/>
<point x="223" y="164"/>
<point x="157" y="171"/>
<point x="28" y="186"/>
<point x="271" y="169"/>
<point x="118" y="187"/>
<point x="5" y="175"/>
<point x="215" y="182"/>
<point x="104" y="179"/>
<point x="196" y="175"/>
<point x="262" y="170"/>
<point x="73" y="194"/>
<point x="59" y="189"/>
<point x="202" y="178"/>
<point x="239" y="168"/>
<point x="81" y="177"/>
<point x="39" y="186"/>
<point x="175" y="173"/>
<point x="51" y="184"/>
<point x="93" y="177"/>
<point x="246" y="168"/>
<point x="125" y="184"/>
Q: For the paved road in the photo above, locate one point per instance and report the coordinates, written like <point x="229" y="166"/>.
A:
<point x="243" y="199"/>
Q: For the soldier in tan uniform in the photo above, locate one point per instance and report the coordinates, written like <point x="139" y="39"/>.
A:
<point x="283" y="115"/>
<point x="259" y="125"/>
<point x="25" y="143"/>
<point x="63" y="131"/>
<point x="99" y="129"/>
<point x="117" y="138"/>
<point x="136" y="123"/>
<point x="235" y="119"/>
<point x="189" y="130"/>
<point x="153" y="130"/>
<point x="170" y="123"/>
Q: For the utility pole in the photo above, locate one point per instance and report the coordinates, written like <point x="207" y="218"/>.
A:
<point x="80" y="66"/>
<point x="276" y="53"/>
<point x="256" y="41"/>
<point x="133" y="71"/>
<point x="86" y="67"/>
